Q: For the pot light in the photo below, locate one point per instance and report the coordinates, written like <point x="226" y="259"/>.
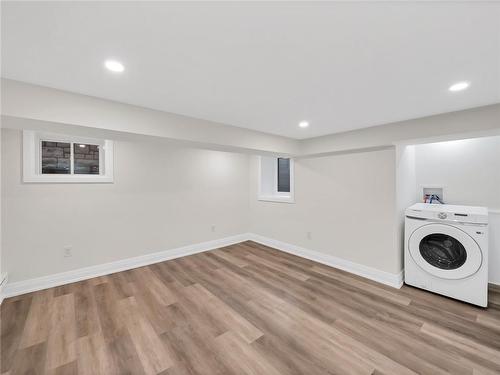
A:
<point x="114" y="66"/>
<point x="303" y="124"/>
<point x="459" y="86"/>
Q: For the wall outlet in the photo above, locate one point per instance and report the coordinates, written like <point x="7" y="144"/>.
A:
<point x="213" y="228"/>
<point x="309" y="235"/>
<point x="68" y="251"/>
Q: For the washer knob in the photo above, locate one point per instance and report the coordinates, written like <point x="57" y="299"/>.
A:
<point x="442" y="215"/>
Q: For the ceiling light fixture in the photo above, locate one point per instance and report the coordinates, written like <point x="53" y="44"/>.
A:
<point x="114" y="66"/>
<point x="303" y="124"/>
<point x="459" y="86"/>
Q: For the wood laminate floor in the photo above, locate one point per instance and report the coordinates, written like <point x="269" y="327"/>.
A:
<point x="245" y="309"/>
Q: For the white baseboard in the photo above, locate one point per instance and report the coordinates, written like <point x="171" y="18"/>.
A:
<point x="50" y="281"/>
<point x="3" y="281"/>
<point x="391" y="279"/>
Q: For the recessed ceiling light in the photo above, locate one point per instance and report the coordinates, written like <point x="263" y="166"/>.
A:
<point x="459" y="86"/>
<point x="303" y="124"/>
<point x="114" y="66"/>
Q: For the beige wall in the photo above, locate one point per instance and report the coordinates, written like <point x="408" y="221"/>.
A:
<point x="163" y="197"/>
<point x="348" y="204"/>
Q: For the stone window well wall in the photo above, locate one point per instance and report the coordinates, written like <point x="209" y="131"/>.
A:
<point x="56" y="157"/>
<point x="86" y="159"/>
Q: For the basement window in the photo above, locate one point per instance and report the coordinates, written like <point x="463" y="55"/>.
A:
<point x="53" y="158"/>
<point x="276" y="179"/>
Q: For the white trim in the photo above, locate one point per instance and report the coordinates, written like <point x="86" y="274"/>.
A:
<point x="276" y="198"/>
<point x="50" y="281"/>
<point x="31" y="159"/>
<point x="4" y="278"/>
<point x="391" y="279"/>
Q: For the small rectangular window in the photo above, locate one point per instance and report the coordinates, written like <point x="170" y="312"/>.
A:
<point x="56" y="157"/>
<point x="283" y="175"/>
<point x="276" y="179"/>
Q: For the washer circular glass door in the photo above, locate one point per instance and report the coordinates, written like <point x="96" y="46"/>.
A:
<point x="445" y="251"/>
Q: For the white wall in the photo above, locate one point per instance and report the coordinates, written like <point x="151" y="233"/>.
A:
<point x="454" y="125"/>
<point x="351" y="203"/>
<point x="347" y="202"/>
<point x="27" y="101"/>
<point x="163" y="197"/>
<point x="406" y="181"/>
<point x="1" y="263"/>
<point x="469" y="172"/>
<point x="494" y="248"/>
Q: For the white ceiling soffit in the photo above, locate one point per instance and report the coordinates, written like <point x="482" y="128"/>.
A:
<point x="263" y="66"/>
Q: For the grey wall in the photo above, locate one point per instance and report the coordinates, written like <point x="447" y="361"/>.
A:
<point x="163" y="197"/>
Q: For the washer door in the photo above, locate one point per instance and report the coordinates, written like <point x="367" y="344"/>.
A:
<point x="445" y="251"/>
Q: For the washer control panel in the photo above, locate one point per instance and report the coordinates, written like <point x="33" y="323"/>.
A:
<point x="442" y="215"/>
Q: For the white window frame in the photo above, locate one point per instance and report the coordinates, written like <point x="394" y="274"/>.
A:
<point x="273" y="195"/>
<point x="32" y="166"/>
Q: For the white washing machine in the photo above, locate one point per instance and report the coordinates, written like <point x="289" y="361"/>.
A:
<point x="446" y="250"/>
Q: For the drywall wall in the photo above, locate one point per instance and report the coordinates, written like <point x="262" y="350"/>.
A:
<point x="27" y="101"/>
<point x="460" y="124"/>
<point x="347" y="204"/>
<point x="494" y="248"/>
<point x="1" y="263"/>
<point x="24" y="101"/>
<point x="344" y="182"/>
<point x="162" y="198"/>
<point x="406" y="181"/>
<point x="469" y="172"/>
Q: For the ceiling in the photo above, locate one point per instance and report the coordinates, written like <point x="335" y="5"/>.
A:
<point x="263" y="66"/>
